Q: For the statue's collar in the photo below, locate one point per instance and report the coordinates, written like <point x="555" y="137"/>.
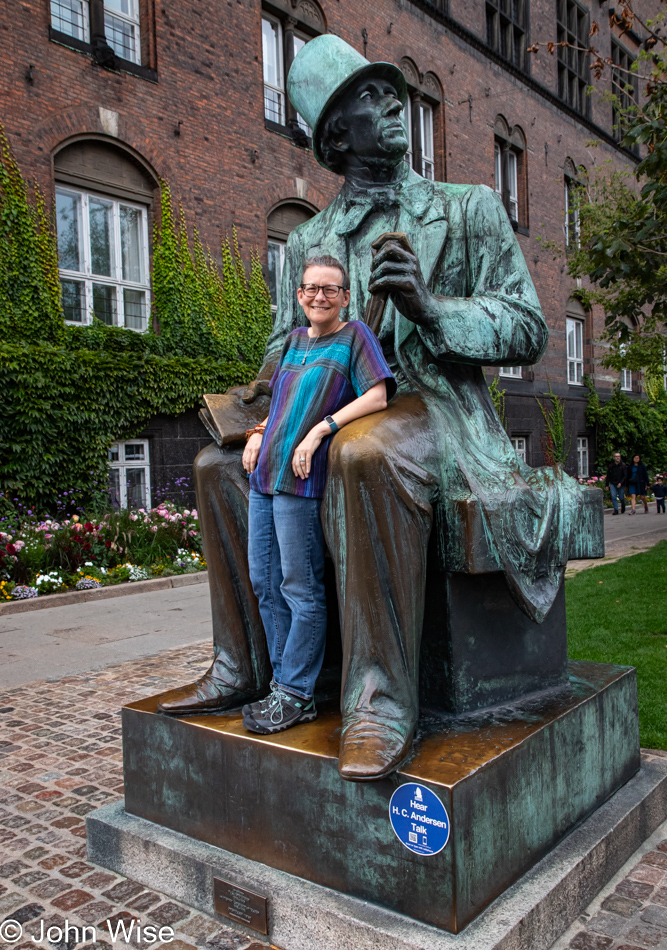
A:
<point x="411" y="192"/>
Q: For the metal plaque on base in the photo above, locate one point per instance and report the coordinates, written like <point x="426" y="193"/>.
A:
<point x="240" y="905"/>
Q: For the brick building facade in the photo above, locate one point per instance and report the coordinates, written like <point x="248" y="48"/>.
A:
<point x="101" y="100"/>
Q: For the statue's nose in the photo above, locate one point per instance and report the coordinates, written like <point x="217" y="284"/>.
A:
<point x="392" y="106"/>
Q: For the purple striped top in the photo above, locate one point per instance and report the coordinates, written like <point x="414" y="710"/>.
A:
<point x="315" y="377"/>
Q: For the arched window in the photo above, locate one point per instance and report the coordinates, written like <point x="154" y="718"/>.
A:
<point x="103" y="197"/>
<point x="511" y="171"/>
<point x="280" y="223"/>
<point x="423" y="121"/>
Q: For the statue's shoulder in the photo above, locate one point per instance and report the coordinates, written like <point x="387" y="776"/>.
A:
<point x="463" y="193"/>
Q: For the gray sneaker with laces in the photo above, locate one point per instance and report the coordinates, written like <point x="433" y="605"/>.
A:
<point x="282" y="711"/>
<point x="251" y="709"/>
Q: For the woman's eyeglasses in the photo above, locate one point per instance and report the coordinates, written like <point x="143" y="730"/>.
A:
<point x="330" y="291"/>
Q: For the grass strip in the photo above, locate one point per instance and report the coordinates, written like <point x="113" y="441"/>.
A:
<point x="617" y="613"/>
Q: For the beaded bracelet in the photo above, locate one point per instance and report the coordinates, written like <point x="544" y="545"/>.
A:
<point x="257" y="429"/>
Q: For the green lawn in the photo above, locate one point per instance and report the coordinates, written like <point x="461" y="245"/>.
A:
<point x="617" y="613"/>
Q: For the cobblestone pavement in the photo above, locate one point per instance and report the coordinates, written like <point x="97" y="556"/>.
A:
<point x="60" y="758"/>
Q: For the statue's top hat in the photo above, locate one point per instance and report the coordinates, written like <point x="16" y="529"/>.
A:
<point x="322" y="70"/>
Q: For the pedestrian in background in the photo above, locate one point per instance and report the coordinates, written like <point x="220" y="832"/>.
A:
<point x="659" y="492"/>
<point x="637" y="483"/>
<point x="617" y="473"/>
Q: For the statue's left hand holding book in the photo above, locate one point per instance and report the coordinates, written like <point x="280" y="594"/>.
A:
<point x="227" y="417"/>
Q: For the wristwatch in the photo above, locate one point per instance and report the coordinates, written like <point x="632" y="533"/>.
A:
<point x="329" y="420"/>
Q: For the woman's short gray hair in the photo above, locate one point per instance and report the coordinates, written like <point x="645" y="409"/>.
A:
<point x="327" y="261"/>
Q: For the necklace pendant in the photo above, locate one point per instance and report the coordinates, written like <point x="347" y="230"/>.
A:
<point x="303" y="361"/>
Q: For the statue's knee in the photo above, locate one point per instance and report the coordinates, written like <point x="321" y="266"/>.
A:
<point x="212" y="463"/>
<point x="355" y="458"/>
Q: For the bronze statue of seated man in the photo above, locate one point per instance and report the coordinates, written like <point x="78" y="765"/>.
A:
<point x="459" y="297"/>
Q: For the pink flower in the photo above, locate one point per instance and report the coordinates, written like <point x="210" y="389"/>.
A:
<point x="186" y="513"/>
<point x="194" y="513"/>
<point x="153" y="527"/>
<point x="193" y="534"/>
<point x="133" y="517"/>
<point x="19" y="544"/>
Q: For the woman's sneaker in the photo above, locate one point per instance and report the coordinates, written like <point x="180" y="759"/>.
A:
<point x="282" y="711"/>
<point x="251" y="708"/>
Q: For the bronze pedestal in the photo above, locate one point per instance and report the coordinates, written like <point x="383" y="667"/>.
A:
<point x="513" y="782"/>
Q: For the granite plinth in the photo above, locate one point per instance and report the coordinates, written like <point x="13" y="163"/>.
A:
<point x="530" y="915"/>
<point x="514" y="781"/>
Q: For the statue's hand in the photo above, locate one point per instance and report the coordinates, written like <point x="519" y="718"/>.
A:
<point x="395" y="270"/>
<point x="258" y="387"/>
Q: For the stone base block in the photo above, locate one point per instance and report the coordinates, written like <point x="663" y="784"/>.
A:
<point x="530" y="915"/>
<point x="513" y="781"/>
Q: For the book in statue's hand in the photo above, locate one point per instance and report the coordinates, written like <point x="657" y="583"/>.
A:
<point x="227" y="417"/>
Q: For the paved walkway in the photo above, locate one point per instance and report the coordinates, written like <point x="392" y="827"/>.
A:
<point x="626" y="534"/>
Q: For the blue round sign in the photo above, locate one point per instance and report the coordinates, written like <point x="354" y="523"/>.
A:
<point x="419" y="819"/>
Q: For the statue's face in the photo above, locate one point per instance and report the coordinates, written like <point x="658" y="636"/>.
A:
<point x="373" y="115"/>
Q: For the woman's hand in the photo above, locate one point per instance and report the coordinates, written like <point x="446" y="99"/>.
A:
<point x="251" y="452"/>
<point x="304" y="452"/>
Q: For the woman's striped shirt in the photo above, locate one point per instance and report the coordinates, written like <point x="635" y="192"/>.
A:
<point x="338" y="368"/>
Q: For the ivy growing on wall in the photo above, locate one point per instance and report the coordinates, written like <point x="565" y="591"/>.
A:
<point x="71" y="391"/>
<point x="200" y="307"/>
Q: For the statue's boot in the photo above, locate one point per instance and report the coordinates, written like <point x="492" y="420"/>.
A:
<point x="373" y="749"/>
<point x="211" y="693"/>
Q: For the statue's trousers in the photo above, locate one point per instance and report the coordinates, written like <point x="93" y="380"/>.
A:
<point x="377" y="516"/>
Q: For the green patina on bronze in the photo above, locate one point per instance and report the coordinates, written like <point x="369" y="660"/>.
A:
<point x="432" y="480"/>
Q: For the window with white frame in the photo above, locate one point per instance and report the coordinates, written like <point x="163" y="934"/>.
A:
<point x="572" y="222"/>
<point x="121" y="24"/>
<point x="520" y="445"/>
<point x="419" y="128"/>
<point x="426" y="130"/>
<point x="272" y="55"/>
<point x="276" y="263"/>
<point x="582" y="456"/>
<point x="280" y="223"/>
<point x="275" y="41"/>
<point x="407" y="122"/>
<point x="626" y="374"/>
<point x="506" y="179"/>
<point x="72" y="18"/>
<point x="103" y="259"/>
<point x="515" y="371"/>
<point x="575" y="351"/>
<point x="129" y="474"/>
<point x="121" y="27"/>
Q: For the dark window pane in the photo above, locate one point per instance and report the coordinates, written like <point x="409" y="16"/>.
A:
<point x="104" y="303"/>
<point x="74" y="300"/>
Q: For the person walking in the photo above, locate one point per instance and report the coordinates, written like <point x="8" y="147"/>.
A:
<point x="328" y="375"/>
<point x="617" y="472"/>
<point x="659" y="491"/>
<point x="637" y="482"/>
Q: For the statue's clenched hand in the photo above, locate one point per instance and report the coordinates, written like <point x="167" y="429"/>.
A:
<point x="258" y="387"/>
<point x="395" y="271"/>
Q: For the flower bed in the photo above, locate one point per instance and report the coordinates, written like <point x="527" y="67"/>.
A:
<point x="44" y="556"/>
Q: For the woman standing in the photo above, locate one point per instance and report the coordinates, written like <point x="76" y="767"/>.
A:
<point x="329" y="374"/>
<point x="637" y="482"/>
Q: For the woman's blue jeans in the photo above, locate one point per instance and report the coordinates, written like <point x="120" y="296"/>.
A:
<point x="286" y="558"/>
